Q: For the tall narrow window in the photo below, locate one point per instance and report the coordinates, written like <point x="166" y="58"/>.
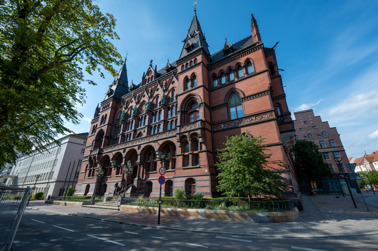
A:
<point x="332" y="142"/>
<point x="249" y="68"/>
<point x="223" y="79"/>
<point x="186" y="84"/>
<point x="185" y="150"/>
<point x="173" y="95"/>
<point x="195" y="149"/>
<point x="194" y="81"/>
<point x="190" y="187"/>
<point x="231" y="75"/>
<point x="240" y="72"/>
<point x="168" y="126"/>
<point x="215" y="81"/>
<point x="236" y="108"/>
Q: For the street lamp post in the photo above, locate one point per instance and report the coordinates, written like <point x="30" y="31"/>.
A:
<point x="161" y="156"/>
<point x="99" y="172"/>
<point x="341" y="169"/>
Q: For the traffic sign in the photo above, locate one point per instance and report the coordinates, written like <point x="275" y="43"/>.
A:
<point x="162" y="170"/>
<point x="161" y="180"/>
<point x="33" y="188"/>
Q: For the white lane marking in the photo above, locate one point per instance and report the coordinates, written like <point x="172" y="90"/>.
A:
<point x="38" y="221"/>
<point x="233" y="239"/>
<point x="64" y="228"/>
<point x="127" y="232"/>
<point x="197" y="245"/>
<point x="103" y="239"/>
<point x="307" y="249"/>
<point x="160" y="238"/>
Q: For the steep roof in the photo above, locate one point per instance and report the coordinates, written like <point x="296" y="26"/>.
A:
<point x="120" y="84"/>
<point x="219" y="55"/>
<point x="195" y="39"/>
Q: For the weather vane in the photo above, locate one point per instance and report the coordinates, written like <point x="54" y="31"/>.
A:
<point x="194" y="5"/>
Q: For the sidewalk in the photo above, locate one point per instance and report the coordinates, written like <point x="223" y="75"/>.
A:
<point x="323" y="216"/>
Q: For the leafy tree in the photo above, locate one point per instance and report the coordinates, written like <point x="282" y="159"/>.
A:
<point x="44" y="46"/>
<point x="243" y="170"/>
<point x="373" y="177"/>
<point x="309" y="162"/>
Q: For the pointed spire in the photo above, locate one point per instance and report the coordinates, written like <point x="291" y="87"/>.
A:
<point x="226" y="45"/>
<point x="194" y="39"/>
<point x="255" y="30"/>
<point x="120" y="84"/>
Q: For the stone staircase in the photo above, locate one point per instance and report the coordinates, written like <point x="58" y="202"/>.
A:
<point x="112" y="205"/>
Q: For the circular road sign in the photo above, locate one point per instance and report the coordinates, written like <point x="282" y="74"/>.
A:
<point x="162" y="170"/>
<point x="161" y="180"/>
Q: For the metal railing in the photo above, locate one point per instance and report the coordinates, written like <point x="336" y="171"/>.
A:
<point x="13" y="201"/>
<point x="254" y="205"/>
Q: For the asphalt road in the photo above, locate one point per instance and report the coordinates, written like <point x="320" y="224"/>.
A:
<point x="48" y="231"/>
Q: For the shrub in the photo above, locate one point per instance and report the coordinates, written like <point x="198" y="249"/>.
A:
<point x="39" y="196"/>
<point x="70" y="191"/>
<point x="180" y="194"/>
<point x="197" y="197"/>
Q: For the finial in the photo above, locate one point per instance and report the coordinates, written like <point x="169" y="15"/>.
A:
<point x="195" y="7"/>
<point x="126" y="57"/>
<point x="226" y="39"/>
<point x="151" y="62"/>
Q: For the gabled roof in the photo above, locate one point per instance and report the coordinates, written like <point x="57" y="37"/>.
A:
<point x="194" y="39"/>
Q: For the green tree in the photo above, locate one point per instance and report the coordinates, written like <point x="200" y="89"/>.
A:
<point x="373" y="177"/>
<point x="243" y="169"/>
<point x="308" y="163"/>
<point x="44" y="45"/>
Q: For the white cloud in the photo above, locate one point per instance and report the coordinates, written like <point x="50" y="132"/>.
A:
<point x="374" y="135"/>
<point x="87" y="119"/>
<point x="357" y="105"/>
<point x="307" y="106"/>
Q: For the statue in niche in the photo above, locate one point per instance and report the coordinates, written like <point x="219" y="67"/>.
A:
<point x="163" y="99"/>
<point x="148" y="105"/>
<point x="135" y="111"/>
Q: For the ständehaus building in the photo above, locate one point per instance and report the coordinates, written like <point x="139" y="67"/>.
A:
<point x="184" y="112"/>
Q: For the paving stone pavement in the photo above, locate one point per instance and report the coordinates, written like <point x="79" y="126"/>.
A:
<point x="323" y="216"/>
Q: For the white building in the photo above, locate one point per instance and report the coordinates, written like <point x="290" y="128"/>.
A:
<point x="51" y="171"/>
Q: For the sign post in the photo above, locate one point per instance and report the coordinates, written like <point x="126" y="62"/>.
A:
<point x="161" y="181"/>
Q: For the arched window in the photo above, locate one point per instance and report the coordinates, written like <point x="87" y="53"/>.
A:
<point x="195" y="152"/>
<point x="240" y="72"/>
<point x="182" y="67"/>
<point x="149" y="158"/>
<point x="190" y="187"/>
<point x="309" y="136"/>
<point x="236" y="108"/>
<point x="169" y="188"/>
<point x="186" y="65"/>
<point x="186" y="84"/>
<point x="194" y="81"/>
<point x="278" y="110"/>
<point x="173" y="95"/>
<point x="148" y="189"/>
<point x="215" y="81"/>
<point x="231" y="75"/>
<point x="191" y="63"/>
<point x="170" y="156"/>
<point x="223" y="78"/>
<point x="324" y="134"/>
<point x="185" y="151"/>
<point x="195" y="61"/>
<point x="99" y="139"/>
<point x="249" y="68"/>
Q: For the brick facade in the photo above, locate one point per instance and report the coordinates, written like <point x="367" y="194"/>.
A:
<point x="185" y="111"/>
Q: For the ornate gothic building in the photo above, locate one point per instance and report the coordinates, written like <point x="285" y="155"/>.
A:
<point x="180" y="115"/>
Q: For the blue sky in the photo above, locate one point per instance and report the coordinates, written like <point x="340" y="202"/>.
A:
<point x="328" y="51"/>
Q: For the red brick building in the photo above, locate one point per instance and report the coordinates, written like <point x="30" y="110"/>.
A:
<point x="312" y="128"/>
<point x="185" y="111"/>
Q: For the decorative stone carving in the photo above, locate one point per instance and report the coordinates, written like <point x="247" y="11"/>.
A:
<point x="243" y="121"/>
